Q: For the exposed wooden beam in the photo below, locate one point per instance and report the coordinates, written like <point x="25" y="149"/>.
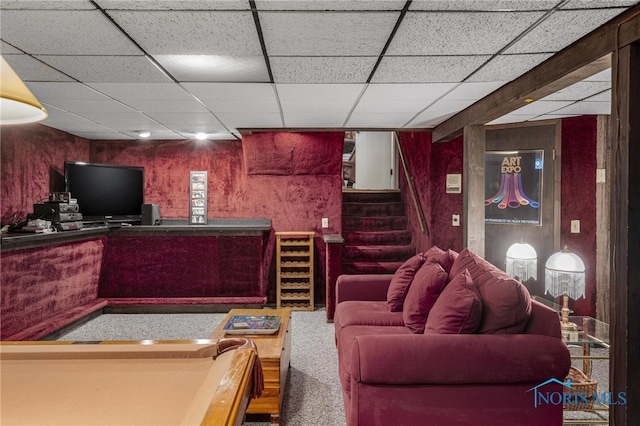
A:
<point x="587" y="56"/>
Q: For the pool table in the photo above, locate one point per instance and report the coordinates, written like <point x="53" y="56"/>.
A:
<point x="195" y="382"/>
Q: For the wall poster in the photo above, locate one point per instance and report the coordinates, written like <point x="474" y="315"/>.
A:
<point x="198" y="198"/>
<point x="513" y="186"/>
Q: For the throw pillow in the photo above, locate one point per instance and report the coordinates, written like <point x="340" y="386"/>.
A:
<point x="422" y="295"/>
<point x="458" y="310"/>
<point x="401" y="281"/>
<point x="442" y="257"/>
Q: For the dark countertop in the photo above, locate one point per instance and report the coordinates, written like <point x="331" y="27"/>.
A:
<point x="230" y="227"/>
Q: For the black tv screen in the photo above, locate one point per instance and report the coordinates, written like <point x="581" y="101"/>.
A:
<point x="106" y="191"/>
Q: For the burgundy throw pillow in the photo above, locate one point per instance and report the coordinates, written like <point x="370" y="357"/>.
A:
<point x="423" y="293"/>
<point x="442" y="257"/>
<point x="401" y="281"/>
<point x="458" y="310"/>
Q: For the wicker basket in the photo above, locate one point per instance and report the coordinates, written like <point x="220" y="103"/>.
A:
<point x="581" y="383"/>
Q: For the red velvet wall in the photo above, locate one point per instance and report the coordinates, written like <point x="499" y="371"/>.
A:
<point x="32" y="164"/>
<point x="579" y="139"/>
<point x="40" y="283"/>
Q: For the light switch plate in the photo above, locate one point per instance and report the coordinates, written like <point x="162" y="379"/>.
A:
<point x="455" y="220"/>
<point x="325" y="222"/>
<point x="575" y="226"/>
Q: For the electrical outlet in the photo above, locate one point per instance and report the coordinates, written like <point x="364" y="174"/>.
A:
<point x="325" y="222"/>
<point x="455" y="220"/>
<point x="575" y="226"/>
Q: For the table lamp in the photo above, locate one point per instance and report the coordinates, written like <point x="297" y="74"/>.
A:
<point x="565" y="275"/>
<point x="522" y="262"/>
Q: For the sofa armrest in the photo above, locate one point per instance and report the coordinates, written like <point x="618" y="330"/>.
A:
<point x="362" y="287"/>
<point x="458" y="359"/>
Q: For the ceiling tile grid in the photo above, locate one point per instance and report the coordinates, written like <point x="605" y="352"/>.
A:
<point x="106" y="68"/>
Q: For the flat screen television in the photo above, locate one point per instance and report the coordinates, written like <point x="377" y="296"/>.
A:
<point x="106" y="191"/>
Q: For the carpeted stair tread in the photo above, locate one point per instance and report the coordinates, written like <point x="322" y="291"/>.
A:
<point x="373" y="209"/>
<point x="384" y="253"/>
<point x="374" y="223"/>
<point x="401" y="237"/>
<point x="371" y="196"/>
<point x="371" y="267"/>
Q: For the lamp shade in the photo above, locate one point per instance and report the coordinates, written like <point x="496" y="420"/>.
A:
<point x="565" y="273"/>
<point x="17" y="103"/>
<point x="522" y="261"/>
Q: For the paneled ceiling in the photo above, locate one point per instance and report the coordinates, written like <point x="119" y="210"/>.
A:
<point x="106" y="69"/>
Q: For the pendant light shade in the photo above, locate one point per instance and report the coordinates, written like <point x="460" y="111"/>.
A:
<point x="17" y="103"/>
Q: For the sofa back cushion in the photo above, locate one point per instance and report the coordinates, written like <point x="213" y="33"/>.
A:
<point x="458" y="310"/>
<point x="442" y="257"/>
<point x="422" y="295"/>
<point x="506" y="303"/>
<point x="401" y="281"/>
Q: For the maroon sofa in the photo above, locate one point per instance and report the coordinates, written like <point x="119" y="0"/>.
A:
<point x="447" y="340"/>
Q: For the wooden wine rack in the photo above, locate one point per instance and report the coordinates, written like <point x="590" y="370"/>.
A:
<point x="294" y="263"/>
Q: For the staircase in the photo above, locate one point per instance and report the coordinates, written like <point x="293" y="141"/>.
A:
<point x="374" y="227"/>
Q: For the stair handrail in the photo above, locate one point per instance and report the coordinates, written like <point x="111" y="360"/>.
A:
<point x="412" y="188"/>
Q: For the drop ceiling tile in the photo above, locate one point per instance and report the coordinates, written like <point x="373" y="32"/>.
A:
<point x="231" y="91"/>
<point x="508" y="67"/>
<point x="584" y="4"/>
<point x="472" y="91"/>
<point x="348" y="93"/>
<point x="30" y="69"/>
<point x="600" y="97"/>
<point x="215" y="68"/>
<point x="378" y="121"/>
<point x="7" y="49"/>
<point x="326" y="33"/>
<point x="246" y="106"/>
<point x="601" y="76"/>
<point x="330" y="5"/>
<point x="80" y="106"/>
<point x="63" y="90"/>
<point x="226" y="33"/>
<point x="512" y="118"/>
<point x="165" y="106"/>
<point x="97" y="136"/>
<point x="561" y="29"/>
<point x="586" y="108"/>
<point x="107" y="69"/>
<point x="64" y="32"/>
<point x="174" y="5"/>
<point x="542" y="107"/>
<point x="179" y="118"/>
<point x="193" y="122"/>
<point x="438" y="112"/>
<point x="145" y="91"/>
<point x="235" y="120"/>
<point x="328" y="119"/>
<point x="309" y="69"/>
<point x="579" y="91"/>
<point x="46" y="4"/>
<point x="426" y="69"/>
<point x="483" y="5"/>
<point x="478" y="33"/>
<point x="424" y="93"/>
<point x="126" y="121"/>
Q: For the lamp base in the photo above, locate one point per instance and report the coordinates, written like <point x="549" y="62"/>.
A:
<point x="569" y="331"/>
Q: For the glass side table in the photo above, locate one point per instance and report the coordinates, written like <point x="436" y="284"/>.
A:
<point x="591" y="333"/>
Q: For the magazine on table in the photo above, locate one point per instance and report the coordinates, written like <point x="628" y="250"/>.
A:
<point x="252" y="324"/>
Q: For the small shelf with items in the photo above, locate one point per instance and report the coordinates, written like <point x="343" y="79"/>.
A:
<point x="294" y="262"/>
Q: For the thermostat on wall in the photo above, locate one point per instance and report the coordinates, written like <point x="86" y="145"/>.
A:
<point x="454" y="184"/>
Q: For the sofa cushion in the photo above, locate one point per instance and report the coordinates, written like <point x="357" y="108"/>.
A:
<point x="401" y="281"/>
<point x="506" y="303"/>
<point x="458" y="310"/>
<point x="442" y="257"/>
<point x="361" y="312"/>
<point x="423" y="293"/>
<point x="345" y="344"/>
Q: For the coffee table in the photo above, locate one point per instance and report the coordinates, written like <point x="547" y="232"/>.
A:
<point x="274" y="351"/>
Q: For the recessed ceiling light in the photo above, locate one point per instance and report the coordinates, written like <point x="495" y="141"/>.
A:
<point x="201" y="136"/>
<point x="144" y="134"/>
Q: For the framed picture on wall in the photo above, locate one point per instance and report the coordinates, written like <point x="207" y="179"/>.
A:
<point x="198" y="198"/>
<point x="513" y="186"/>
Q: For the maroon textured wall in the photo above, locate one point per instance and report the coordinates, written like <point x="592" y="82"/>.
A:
<point x="40" y="283"/>
<point x="32" y="164"/>
<point x="416" y="147"/>
<point x="579" y="140"/>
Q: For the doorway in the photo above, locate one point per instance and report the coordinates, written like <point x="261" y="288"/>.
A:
<point x="370" y="161"/>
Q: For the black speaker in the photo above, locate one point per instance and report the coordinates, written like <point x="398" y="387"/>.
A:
<point x="150" y="214"/>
